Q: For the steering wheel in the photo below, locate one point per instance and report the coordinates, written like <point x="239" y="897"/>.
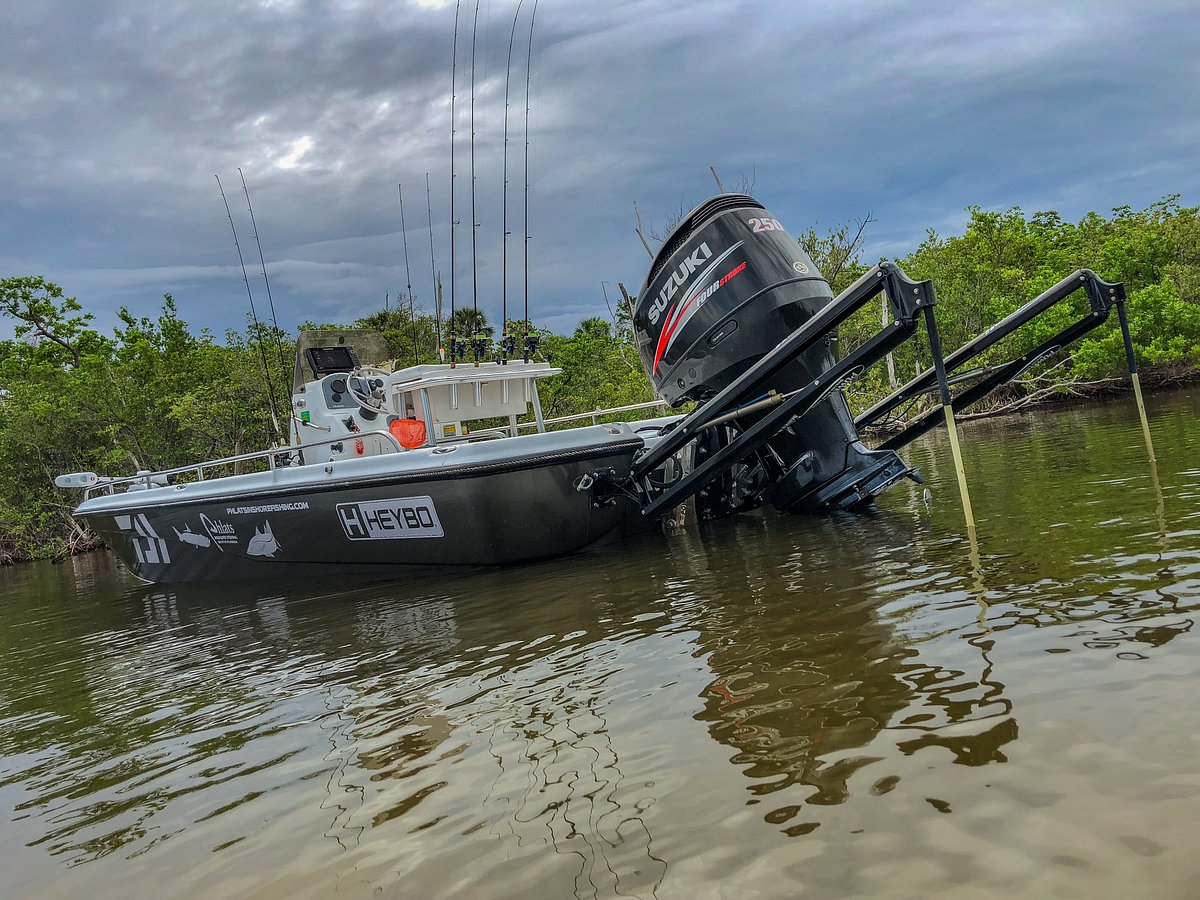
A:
<point x="370" y="399"/>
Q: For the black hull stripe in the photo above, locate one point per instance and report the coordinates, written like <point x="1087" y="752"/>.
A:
<point x="500" y="467"/>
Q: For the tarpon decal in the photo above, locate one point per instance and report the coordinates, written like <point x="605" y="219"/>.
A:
<point x="187" y="536"/>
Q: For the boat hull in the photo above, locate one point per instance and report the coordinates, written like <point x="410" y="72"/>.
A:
<point x="476" y="512"/>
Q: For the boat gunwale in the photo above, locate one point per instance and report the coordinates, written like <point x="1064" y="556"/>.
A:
<point x="443" y="473"/>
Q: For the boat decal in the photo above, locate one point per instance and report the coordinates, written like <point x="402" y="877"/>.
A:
<point x="390" y="520"/>
<point x="681" y="313"/>
<point x="262" y="542"/>
<point x="187" y="536"/>
<point x="222" y="533"/>
<point x="265" y="508"/>
<point x="676" y="279"/>
<point x="147" y="545"/>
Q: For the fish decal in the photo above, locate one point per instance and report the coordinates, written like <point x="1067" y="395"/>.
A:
<point x="263" y="542"/>
<point x="187" y="536"/>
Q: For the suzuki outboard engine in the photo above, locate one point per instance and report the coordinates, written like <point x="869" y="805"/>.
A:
<point x="728" y="285"/>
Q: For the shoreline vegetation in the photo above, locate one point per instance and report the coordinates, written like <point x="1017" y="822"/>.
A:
<point x="156" y="395"/>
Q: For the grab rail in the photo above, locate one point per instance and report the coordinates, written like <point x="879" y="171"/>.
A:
<point x="270" y="455"/>
<point x="148" y="478"/>
<point x="595" y="414"/>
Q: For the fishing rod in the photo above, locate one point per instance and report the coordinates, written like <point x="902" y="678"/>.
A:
<point x="506" y="343"/>
<point x="437" y="319"/>
<point x="453" y="221"/>
<point x="253" y="313"/>
<point x="266" y="281"/>
<point x="476" y="340"/>
<point x="412" y="309"/>
<point x="530" y="341"/>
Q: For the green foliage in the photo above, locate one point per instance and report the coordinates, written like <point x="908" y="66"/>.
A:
<point x="467" y="323"/>
<point x="154" y="395"/>
<point x="411" y="333"/>
<point x="600" y="367"/>
<point x="43" y="314"/>
<point x="1004" y="259"/>
<point x="837" y="253"/>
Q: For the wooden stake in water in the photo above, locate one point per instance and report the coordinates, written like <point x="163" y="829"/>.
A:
<point x="956" y="453"/>
<point x="939" y="366"/>
<point x="1141" y="405"/>
<point x="1131" y="361"/>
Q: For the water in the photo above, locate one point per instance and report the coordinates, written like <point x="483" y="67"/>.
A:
<point x="854" y="704"/>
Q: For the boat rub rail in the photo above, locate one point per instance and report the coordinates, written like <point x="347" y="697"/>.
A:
<point x="439" y="474"/>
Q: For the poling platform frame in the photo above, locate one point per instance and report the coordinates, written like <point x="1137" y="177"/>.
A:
<point x="757" y="412"/>
<point x="1102" y="296"/>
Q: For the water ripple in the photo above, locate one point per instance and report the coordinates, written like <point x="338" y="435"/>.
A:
<point x="846" y="704"/>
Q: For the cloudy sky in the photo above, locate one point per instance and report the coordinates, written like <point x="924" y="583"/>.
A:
<point x="114" y="117"/>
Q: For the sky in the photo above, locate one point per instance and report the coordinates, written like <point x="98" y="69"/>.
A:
<point x="115" y="116"/>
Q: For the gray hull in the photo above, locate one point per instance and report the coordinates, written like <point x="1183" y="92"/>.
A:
<point x="486" y="504"/>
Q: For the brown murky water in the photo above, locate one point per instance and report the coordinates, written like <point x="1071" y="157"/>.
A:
<point x="766" y="708"/>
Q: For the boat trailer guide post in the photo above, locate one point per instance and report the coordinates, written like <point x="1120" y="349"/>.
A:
<point x="444" y="465"/>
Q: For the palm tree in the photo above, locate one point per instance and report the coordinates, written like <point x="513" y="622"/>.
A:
<point x="467" y="323"/>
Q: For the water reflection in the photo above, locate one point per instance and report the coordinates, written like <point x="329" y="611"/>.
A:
<point x="587" y="726"/>
<point x="806" y="682"/>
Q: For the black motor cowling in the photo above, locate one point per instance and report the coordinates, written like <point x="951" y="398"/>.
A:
<point x="726" y="287"/>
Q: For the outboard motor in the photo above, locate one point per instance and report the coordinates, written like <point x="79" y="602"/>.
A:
<point x="726" y="287"/>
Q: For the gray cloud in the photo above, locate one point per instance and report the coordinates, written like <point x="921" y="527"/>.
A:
<point x="116" y="115"/>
